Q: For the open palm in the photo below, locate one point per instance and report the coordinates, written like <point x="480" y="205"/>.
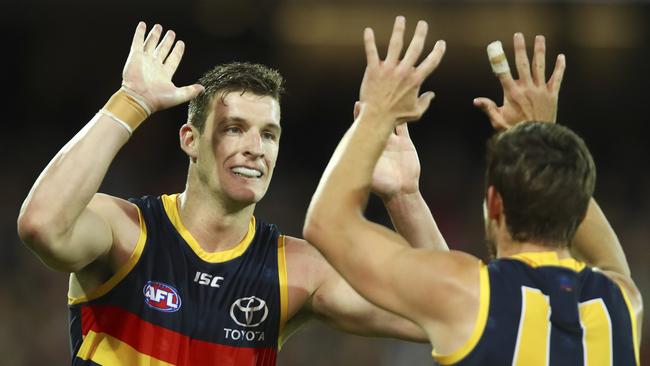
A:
<point x="150" y="66"/>
<point x="398" y="169"/>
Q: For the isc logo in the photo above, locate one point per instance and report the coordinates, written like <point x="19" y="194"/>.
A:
<point x="161" y="297"/>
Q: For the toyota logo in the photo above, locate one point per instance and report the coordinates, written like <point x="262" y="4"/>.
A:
<point x="249" y="311"/>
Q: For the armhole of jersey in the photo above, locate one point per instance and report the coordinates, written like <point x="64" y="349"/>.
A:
<point x="284" y="290"/>
<point x="479" y="325"/>
<point x="630" y="310"/>
<point x="104" y="288"/>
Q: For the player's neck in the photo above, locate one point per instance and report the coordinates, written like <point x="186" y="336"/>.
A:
<point x="214" y="226"/>
<point x="515" y="247"/>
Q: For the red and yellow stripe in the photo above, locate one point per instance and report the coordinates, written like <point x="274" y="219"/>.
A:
<point x="115" y="336"/>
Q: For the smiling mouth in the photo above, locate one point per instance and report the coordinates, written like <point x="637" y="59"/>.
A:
<point x="246" y="172"/>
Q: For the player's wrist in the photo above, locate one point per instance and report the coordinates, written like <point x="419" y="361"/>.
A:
<point x="127" y="108"/>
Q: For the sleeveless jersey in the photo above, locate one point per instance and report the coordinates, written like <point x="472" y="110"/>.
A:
<point x="537" y="309"/>
<point x="172" y="303"/>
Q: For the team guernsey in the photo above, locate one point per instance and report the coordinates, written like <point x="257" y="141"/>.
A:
<point x="536" y="309"/>
<point x="174" y="304"/>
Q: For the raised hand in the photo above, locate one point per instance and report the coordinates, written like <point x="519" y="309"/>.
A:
<point x="391" y="86"/>
<point x="150" y="66"/>
<point x="398" y="168"/>
<point x="531" y="97"/>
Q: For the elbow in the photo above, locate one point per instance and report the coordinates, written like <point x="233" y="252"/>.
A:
<point x="35" y="231"/>
<point x="319" y="222"/>
<point x="312" y="231"/>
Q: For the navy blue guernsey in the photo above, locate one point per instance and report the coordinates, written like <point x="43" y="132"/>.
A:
<point x="174" y="304"/>
<point x="537" y="309"/>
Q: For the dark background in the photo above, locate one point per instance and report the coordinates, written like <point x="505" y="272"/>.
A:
<point x="62" y="60"/>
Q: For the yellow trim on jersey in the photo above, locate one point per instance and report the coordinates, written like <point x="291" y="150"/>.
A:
<point x="124" y="270"/>
<point x="171" y="208"/>
<point x="479" y="326"/>
<point x="635" y="335"/>
<point x="541" y="259"/>
<point x="284" y="289"/>
<point x="103" y="349"/>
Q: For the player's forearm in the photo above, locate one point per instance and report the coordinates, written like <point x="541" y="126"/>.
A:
<point x="413" y="220"/>
<point x="596" y="242"/>
<point x="68" y="183"/>
<point x="345" y="185"/>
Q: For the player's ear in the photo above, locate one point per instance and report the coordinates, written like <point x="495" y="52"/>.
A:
<point x="494" y="204"/>
<point x="189" y="140"/>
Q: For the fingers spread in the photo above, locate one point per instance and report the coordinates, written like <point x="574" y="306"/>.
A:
<point x="396" y="40"/>
<point x="174" y="58"/>
<point x="521" y="58"/>
<point x="371" y="47"/>
<point x="558" y="73"/>
<point x="138" y="36"/>
<point x="152" y="39"/>
<point x="432" y="61"/>
<point x="539" y="61"/>
<point x="417" y="44"/>
<point x="163" y="48"/>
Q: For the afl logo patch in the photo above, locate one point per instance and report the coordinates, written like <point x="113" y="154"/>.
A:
<point x="161" y="297"/>
<point x="249" y="311"/>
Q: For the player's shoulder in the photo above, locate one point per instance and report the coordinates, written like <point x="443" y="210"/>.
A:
<point x="298" y="246"/>
<point x="114" y="209"/>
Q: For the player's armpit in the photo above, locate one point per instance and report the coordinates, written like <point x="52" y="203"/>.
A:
<point x="104" y="221"/>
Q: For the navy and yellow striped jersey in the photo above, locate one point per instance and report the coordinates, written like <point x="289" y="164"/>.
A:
<point x="174" y="304"/>
<point x="537" y="309"/>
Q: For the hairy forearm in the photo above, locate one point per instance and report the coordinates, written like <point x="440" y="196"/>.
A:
<point x="596" y="243"/>
<point x="413" y="220"/>
<point x="68" y="183"/>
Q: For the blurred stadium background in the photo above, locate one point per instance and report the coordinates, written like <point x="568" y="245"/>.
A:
<point x="62" y="60"/>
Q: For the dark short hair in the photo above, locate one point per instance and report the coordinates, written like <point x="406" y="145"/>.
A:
<point x="545" y="176"/>
<point x="233" y="77"/>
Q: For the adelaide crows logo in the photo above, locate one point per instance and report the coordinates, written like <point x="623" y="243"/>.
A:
<point x="161" y="297"/>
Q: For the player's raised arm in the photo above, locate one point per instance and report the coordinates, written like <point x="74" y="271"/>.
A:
<point x="62" y="219"/>
<point x="396" y="180"/>
<point x="534" y="98"/>
<point x="368" y="255"/>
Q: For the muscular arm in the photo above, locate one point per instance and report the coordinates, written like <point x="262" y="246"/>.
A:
<point x="59" y="219"/>
<point x="596" y="243"/>
<point x="63" y="220"/>
<point x="376" y="261"/>
<point x="317" y="291"/>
